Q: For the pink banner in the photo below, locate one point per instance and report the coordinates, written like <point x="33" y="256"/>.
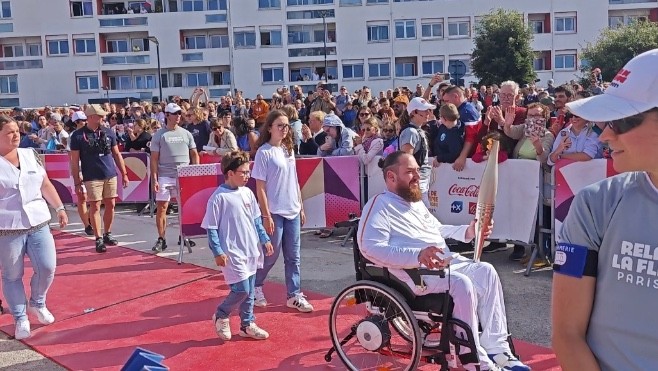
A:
<point x="330" y="191"/>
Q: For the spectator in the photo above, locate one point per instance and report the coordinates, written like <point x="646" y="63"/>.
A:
<point x="323" y="101"/>
<point x="449" y="137"/>
<point x="563" y="95"/>
<point x="470" y="118"/>
<point x="390" y="138"/>
<point x="372" y="144"/>
<point x="199" y="127"/>
<point x="349" y="115"/>
<point x="578" y="142"/>
<point x="484" y="149"/>
<point x="494" y="119"/>
<point x="222" y="140"/>
<point x="413" y="139"/>
<point x="295" y="124"/>
<point x="339" y="140"/>
<point x="138" y="138"/>
<point x="247" y="135"/>
<point x="260" y="109"/>
<point x="534" y="139"/>
<point x="312" y="135"/>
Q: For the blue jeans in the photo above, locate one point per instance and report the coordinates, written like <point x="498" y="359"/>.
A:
<point x="40" y="247"/>
<point x="286" y="238"/>
<point x="242" y="294"/>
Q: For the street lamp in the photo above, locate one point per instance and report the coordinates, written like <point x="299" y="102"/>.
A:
<point x="323" y="14"/>
<point x="154" y="40"/>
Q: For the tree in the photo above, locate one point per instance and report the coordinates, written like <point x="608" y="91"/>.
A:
<point x="502" y="49"/>
<point x="615" y="47"/>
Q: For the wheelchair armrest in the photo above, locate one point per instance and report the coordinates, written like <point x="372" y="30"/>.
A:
<point x="416" y="274"/>
<point x="353" y="222"/>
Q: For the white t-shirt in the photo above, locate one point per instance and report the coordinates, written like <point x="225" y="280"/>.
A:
<point x="232" y="213"/>
<point x="277" y="169"/>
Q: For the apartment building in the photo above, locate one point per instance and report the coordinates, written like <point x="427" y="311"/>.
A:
<point x="73" y="51"/>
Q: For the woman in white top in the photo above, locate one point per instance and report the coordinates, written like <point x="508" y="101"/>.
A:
<point x="24" y="228"/>
<point x="371" y="145"/>
<point x="280" y="201"/>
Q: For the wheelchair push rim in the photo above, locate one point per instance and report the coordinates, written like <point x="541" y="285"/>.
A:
<point x="360" y="329"/>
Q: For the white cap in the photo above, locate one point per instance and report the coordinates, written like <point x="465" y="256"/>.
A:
<point x="78" y="115"/>
<point x="633" y="90"/>
<point x="172" y="108"/>
<point x="419" y="104"/>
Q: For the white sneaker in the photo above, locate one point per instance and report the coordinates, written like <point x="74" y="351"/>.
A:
<point x="254" y="332"/>
<point x="259" y="297"/>
<point x="222" y="327"/>
<point x="22" y="329"/>
<point x="300" y="303"/>
<point x="43" y="314"/>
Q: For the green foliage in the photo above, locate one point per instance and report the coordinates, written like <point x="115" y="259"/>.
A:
<point x="502" y="49"/>
<point x="615" y="47"/>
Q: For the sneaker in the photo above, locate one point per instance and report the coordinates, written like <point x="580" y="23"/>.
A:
<point x="22" y="329"/>
<point x="517" y="254"/>
<point x="43" y="314"/>
<point x="222" y="327"/>
<point x="254" y="332"/>
<point x="259" y="297"/>
<point x="89" y="231"/>
<point x="108" y="239"/>
<point x="160" y="245"/>
<point x="300" y="303"/>
<point x="508" y="362"/>
<point x="100" y="245"/>
<point x="495" y="247"/>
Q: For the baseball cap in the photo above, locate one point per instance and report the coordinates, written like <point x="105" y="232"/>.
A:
<point x="95" y="109"/>
<point x="172" y="108"/>
<point x="401" y="99"/>
<point x="419" y="104"/>
<point x="633" y="90"/>
<point x="547" y="101"/>
<point x="78" y="115"/>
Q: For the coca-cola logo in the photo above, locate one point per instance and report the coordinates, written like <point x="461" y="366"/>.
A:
<point x="472" y="207"/>
<point x="467" y="191"/>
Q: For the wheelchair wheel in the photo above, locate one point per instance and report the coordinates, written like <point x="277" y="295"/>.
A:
<point x="359" y="325"/>
<point x="431" y="337"/>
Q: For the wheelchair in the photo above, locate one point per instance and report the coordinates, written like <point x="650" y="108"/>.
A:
<point x="378" y="323"/>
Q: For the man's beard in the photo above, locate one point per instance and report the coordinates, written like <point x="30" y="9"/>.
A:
<point x="409" y="193"/>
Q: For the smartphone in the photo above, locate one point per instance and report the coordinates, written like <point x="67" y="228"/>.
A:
<point x="444" y="76"/>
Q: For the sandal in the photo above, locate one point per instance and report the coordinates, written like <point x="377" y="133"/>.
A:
<point x="326" y="233"/>
<point x="318" y="232"/>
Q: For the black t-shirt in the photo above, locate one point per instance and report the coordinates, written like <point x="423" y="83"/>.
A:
<point x="95" y="149"/>
<point x="140" y="142"/>
<point x="200" y="133"/>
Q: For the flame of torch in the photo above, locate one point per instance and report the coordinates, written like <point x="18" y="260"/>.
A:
<point x="486" y="199"/>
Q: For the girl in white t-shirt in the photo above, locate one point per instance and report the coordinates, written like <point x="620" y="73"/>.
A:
<point x="280" y="201"/>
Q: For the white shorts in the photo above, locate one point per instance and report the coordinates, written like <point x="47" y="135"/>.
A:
<point x="168" y="189"/>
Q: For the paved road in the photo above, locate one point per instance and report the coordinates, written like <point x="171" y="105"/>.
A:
<point x="327" y="267"/>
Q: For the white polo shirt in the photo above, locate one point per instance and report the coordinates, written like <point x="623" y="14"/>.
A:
<point x="21" y="201"/>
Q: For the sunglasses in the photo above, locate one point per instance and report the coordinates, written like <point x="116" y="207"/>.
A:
<point x="626" y="124"/>
<point x="389" y="130"/>
<point x="216" y="128"/>
<point x="365" y="114"/>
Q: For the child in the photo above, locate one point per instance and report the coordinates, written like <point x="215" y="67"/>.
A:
<point x="234" y="226"/>
<point x="448" y="135"/>
<point x="482" y="153"/>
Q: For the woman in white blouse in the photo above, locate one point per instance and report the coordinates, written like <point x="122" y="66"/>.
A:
<point x="371" y="145"/>
<point x="222" y="140"/>
<point x="24" y="228"/>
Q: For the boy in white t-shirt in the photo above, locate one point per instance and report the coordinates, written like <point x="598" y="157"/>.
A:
<point x="235" y="233"/>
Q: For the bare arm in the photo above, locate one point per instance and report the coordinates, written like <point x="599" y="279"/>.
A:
<point x="408" y="148"/>
<point x="572" y="306"/>
<point x="50" y="193"/>
<point x="578" y="156"/>
<point x="75" y="167"/>
<point x="155" y="157"/>
<point x="119" y="160"/>
<point x="194" y="156"/>
<point x="262" y="198"/>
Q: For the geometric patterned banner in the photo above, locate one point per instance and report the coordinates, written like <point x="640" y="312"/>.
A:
<point x="330" y="191"/>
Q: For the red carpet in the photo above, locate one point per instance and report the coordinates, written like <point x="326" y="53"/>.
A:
<point x="153" y="303"/>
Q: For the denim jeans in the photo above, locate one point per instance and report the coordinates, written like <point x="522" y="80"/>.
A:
<point x="286" y="238"/>
<point x="40" y="248"/>
<point x="242" y="294"/>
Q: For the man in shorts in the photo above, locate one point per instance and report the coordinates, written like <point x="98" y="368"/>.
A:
<point x="94" y="150"/>
<point x="171" y="147"/>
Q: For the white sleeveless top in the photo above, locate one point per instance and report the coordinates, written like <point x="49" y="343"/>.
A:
<point x="21" y="201"/>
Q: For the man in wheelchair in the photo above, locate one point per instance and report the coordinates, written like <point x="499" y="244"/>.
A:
<point x="398" y="232"/>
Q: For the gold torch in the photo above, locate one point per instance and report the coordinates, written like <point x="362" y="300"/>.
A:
<point x="486" y="198"/>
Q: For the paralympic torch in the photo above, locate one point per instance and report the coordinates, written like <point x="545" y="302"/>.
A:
<point x="486" y="199"/>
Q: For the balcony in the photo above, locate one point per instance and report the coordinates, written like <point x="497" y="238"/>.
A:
<point x="142" y="58"/>
<point x="311" y="52"/>
<point x="614" y="2"/>
<point x="302" y="72"/>
<point x="312" y="33"/>
<point x="123" y="22"/>
<point x="25" y="64"/>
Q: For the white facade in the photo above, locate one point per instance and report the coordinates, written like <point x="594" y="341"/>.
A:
<point x="67" y="51"/>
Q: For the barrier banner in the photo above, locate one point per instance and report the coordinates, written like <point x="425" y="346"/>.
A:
<point x="58" y="169"/>
<point x="571" y="177"/>
<point x="453" y="195"/>
<point x="330" y="191"/>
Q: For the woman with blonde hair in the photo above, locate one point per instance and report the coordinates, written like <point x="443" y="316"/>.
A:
<point x="295" y="124"/>
<point x="371" y="145"/>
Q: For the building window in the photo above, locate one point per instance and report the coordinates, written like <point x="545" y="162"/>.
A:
<point x="217" y="5"/>
<point x="377" y="2"/>
<point x="272" y="74"/>
<point x="565" y="24"/>
<point x="87" y="83"/>
<point x="458" y="29"/>
<point x="195" y="79"/>
<point x="379" y="70"/>
<point x="177" y="80"/>
<point x="82" y="9"/>
<point x="432" y="30"/>
<point x="33" y="50"/>
<point x="615" y="21"/>
<point x="565" y="62"/>
<point x="378" y="33"/>
<point x="431" y="67"/>
<point x="140" y="45"/>
<point x="9" y="84"/>
<point x="537" y="26"/>
<point x="5" y="9"/>
<point x="538" y="64"/>
<point x="353" y="71"/>
<point x="309" y="2"/>
<point x="219" y="41"/>
<point x="221" y="78"/>
<point x="405" y="69"/>
<point x="405" y="29"/>
<point x="117" y="46"/>
<point x="195" y="42"/>
<point x="192" y="5"/>
<point x="269" y="4"/>
<point x="350" y="2"/>
<point x="58" y="47"/>
<point x="270" y="38"/>
<point x="311" y="14"/>
<point x="120" y="83"/>
<point x="145" y="82"/>
<point x="245" y="39"/>
<point x="216" y="18"/>
<point x="84" y="46"/>
<point x="12" y="51"/>
<point x="193" y="57"/>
